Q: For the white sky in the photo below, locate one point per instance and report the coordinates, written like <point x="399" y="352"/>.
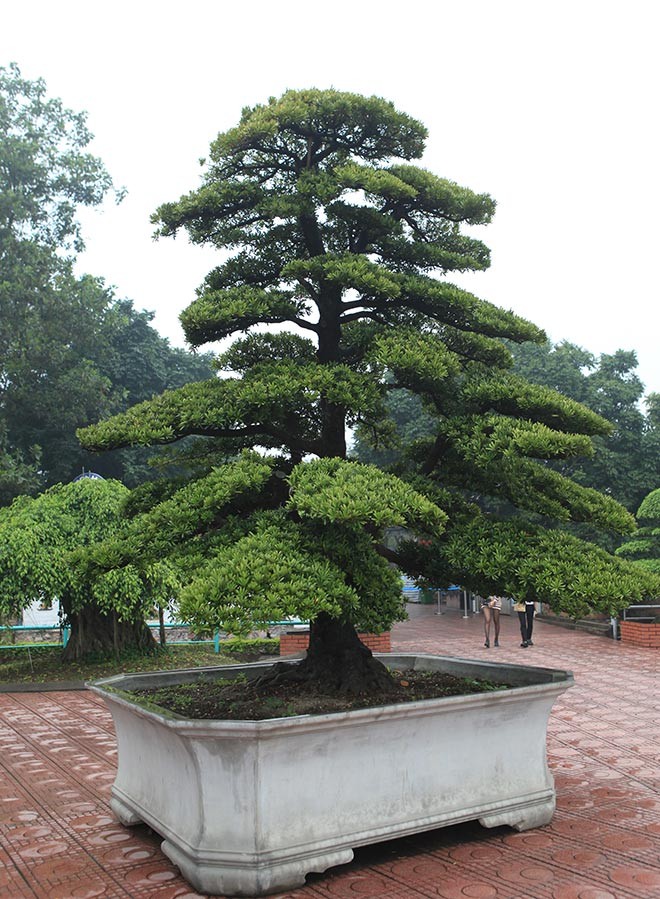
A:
<point x="551" y="107"/>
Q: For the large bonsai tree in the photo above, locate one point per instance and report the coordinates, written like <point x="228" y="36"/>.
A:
<point x="41" y="542"/>
<point x="336" y="242"/>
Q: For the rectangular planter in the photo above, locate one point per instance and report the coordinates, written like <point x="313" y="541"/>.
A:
<point x="250" y="807"/>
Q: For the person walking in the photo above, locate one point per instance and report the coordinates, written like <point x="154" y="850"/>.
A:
<point x="525" y="609"/>
<point x="491" y="607"/>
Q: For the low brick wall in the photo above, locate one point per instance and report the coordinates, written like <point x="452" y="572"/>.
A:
<point x="297" y="641"/>
<point x="640" y="633"/>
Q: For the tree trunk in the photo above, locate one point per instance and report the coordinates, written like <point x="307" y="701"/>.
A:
<point x="336" y="662"/>
<point x="95" y="633"/>
<point x="161" y="625"/>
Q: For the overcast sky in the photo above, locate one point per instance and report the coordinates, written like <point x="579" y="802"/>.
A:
<point x="550" y="107"/>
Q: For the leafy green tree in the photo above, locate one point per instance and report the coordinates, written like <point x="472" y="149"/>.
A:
<point x="644" y="546"/>
<point x="45" y="175"/>
<point x="94" y="356"/>
<point x="69" y="351"/>
<point x="40" y="542"/>
<point x="45" y="172"/>
<point x="337" y="239"/>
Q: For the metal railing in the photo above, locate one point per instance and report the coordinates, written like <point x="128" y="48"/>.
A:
<point x="65" y="632"/>
<point x="625" y="611"/>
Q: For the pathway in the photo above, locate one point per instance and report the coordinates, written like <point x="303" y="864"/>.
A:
<point x="59" y="839"/>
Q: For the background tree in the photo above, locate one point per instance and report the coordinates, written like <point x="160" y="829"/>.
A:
<point x="70" y="352"/>
<point x="626" y="463"/>
<point x="644" y="546"/>
<point x="339" y="239"/>
<point x="40" y="541"/>
<point x="45" y="173"/>
<point x="409" y="420"/>
<point x="100" y="356"/>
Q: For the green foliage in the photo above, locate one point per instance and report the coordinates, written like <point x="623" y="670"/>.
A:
<point x="265" y="576"/>
<point x="242" y="645"/>
<point x="570" y="575"/>
<point x="649" y="510"/>
<point x="328" y="230"/>
<point x="176" y="520"/>
<point x="70" y="351"/>
<point x="275" y="403"/>
<point x="511" y="394"/>
<point x="332" y="490"/>
<point x="644" y="547"/>
<point x="41" y="540"/>
<point x="44" y="172"/>
<point x="626" y="463"/>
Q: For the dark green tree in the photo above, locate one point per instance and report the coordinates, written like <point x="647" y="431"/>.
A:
<point x="338" y="241"/>
<point x="626" y="463"/>
<point x="69" y="351"/>
<point x="91" y="355"/>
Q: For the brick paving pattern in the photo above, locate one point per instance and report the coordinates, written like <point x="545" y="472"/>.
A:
<point x="59" y="839"/>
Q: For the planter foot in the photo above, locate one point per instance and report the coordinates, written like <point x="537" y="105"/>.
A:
<point x="236" y="877"/>
<point x="525" y="818"/>
<point x="126" y="815"/>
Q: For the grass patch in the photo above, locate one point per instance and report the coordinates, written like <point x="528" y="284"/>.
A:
<point x="43" y="664"/>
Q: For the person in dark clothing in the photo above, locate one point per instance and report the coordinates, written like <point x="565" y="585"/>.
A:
<point x="525" y="610"/>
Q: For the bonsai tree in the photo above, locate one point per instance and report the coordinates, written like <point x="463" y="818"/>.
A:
<point x="644" y="547"/>
<point x="336" y="242"/>
<point x="40" y="542"/>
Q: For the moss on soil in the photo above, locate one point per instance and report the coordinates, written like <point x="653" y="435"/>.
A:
<point x="242" y="700"/>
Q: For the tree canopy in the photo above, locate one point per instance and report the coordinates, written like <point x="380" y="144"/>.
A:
<point x="644" y="546"/>
<point x="70" y="351"/>
<point x="45" y="172"/>
<point x="41" y="540"/>
<point x="342" y="247"/>
<point x="626" y="463"/>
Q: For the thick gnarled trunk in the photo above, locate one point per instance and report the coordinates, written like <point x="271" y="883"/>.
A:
<point x="94" y="633"/>
<point x="336" y="661"/>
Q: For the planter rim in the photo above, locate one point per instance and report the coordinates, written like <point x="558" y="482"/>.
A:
<point x="556" y="682"/>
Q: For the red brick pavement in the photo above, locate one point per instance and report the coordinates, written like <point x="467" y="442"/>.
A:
<point x="59" y="839"/>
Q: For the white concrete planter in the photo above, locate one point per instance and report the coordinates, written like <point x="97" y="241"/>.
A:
<point x="250" y="807"/>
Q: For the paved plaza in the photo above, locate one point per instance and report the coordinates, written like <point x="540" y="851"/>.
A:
<point x="59" y="839"/>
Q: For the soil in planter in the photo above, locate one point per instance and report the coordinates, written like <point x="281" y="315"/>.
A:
<point x="242" y="700"/>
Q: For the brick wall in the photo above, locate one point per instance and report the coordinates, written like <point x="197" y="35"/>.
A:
<point x="640" y="634"/>
<point x="298" y="641"/>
